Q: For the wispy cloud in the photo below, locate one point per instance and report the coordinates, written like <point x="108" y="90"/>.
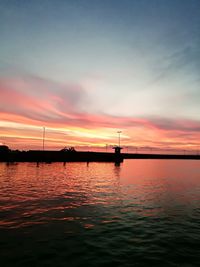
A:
<point x="31" y="102"/>
<point x="40" y="100"/>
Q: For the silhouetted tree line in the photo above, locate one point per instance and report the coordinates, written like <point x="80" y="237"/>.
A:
<point x="70" y="149"/>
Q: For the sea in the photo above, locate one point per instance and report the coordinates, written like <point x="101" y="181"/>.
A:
<point x="137" y="213"/>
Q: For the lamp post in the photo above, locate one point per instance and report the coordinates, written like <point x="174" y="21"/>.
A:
<point x="119" y="132"/>
<point x="43" y="138"/>
<point x="106" y="147"/>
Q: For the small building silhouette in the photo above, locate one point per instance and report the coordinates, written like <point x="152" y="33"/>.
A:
<point x="117" y="150"/>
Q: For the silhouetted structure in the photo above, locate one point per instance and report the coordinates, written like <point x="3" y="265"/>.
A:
<point x="117" y="150"/>
<point x="70" y="155"/>
<point x="4" y="148"/>
<point x="118" y="156"/>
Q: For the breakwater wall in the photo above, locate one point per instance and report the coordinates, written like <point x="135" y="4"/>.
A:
<point x="159" y="156"/>
<point x="58" y="156"/>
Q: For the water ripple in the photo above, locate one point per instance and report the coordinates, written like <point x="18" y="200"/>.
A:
<point x="142" y="213"/>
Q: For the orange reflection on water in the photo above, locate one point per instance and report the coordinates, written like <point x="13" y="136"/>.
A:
<point x="97" y="192"/>
<point x="163" y="186"/>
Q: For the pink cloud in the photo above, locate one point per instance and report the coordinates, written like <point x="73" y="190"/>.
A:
<point x="38" y="102"/>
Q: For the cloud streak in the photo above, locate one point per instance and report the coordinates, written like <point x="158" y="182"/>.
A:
<point x="34" y="102"/>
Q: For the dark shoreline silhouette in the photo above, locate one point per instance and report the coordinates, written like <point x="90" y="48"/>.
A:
<point x="7" y="155"/>
<point x="58" y="156"/>
<point x="159" y="156"/>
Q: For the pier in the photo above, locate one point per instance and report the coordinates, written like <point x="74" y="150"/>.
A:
<point x="7" y="155"/>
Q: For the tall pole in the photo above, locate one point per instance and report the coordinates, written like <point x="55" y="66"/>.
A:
<point x="43" y="138"/>
<point x="119" y="132"/>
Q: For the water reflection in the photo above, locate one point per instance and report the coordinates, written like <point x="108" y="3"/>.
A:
<point x="155" y="186"/>
<point x="139" y="204"/>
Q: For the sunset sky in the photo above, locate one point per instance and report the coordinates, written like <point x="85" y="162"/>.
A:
<point x="85" y="69"/>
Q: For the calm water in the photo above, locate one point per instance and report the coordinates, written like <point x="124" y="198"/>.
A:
<point x="141" y="213"/>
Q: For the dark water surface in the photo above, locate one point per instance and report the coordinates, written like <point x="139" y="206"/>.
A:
<point x="141" y="213"/>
